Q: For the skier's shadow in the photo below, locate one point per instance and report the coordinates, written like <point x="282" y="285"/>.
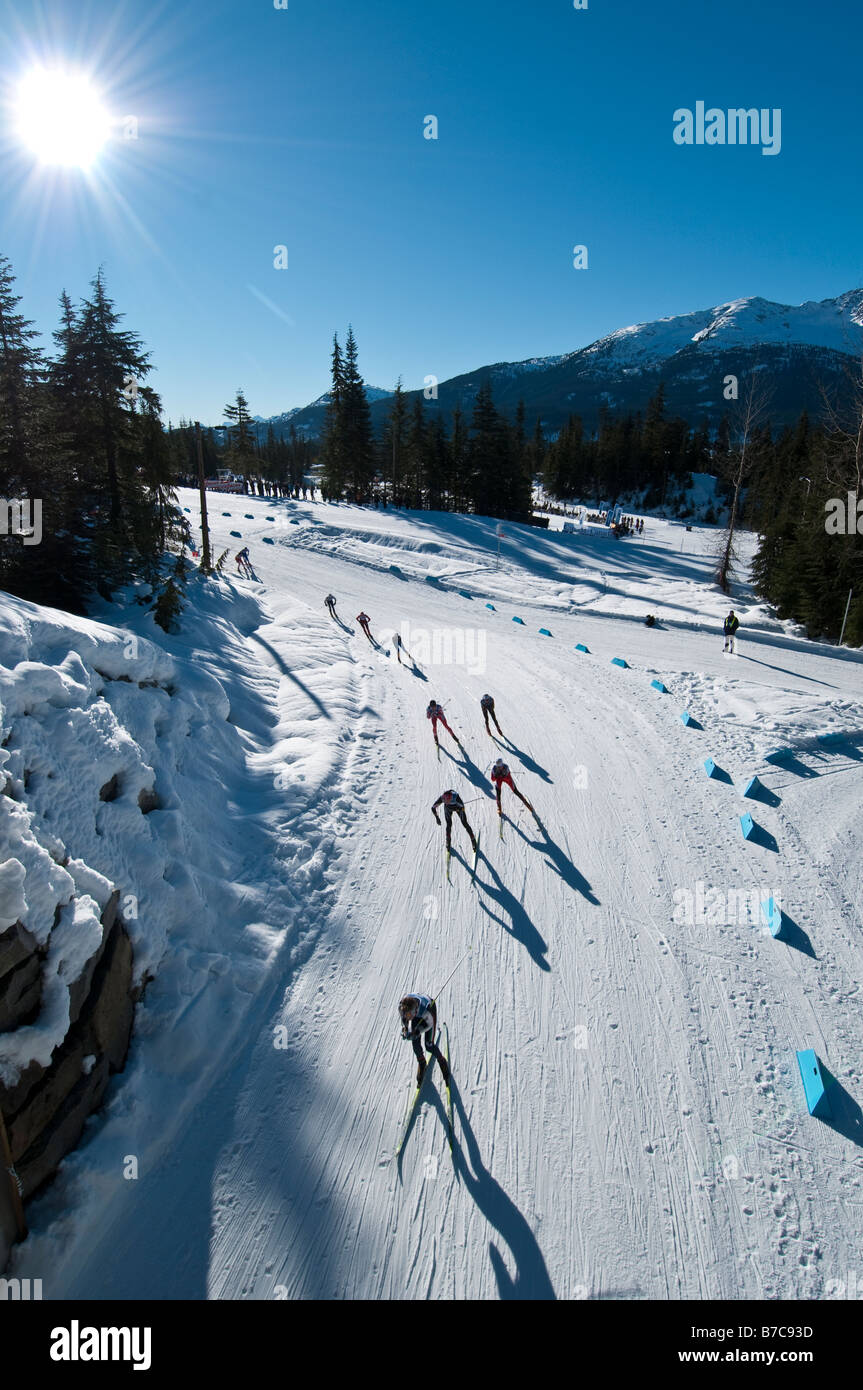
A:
<point x="344" y="626"/>
<point x="474" y="774"/>
<point x="430" y="1096"/>
<point x="531" y="1280"/>
<point x="526" y="761"/>
<point x="519" y="925"/>
<point x="560" y="863"/>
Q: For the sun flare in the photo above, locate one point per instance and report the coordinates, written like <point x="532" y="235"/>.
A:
<point x="60" y="118"/>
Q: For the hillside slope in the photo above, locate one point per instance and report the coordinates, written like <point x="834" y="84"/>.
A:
<point x="629" y="1116"/>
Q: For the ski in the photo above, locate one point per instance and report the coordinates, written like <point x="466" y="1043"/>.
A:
<point x="413" y="1105"/>
<point x="500" y="826"/>
<point x="445" y="1032"/>
<point x="448" y="857"/>
<point x="437" y="746"/>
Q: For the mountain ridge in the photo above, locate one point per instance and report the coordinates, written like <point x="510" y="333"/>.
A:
<point x="806" y="349"/>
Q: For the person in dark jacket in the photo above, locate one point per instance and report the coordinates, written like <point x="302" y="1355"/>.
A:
<point x="729" y="627"/>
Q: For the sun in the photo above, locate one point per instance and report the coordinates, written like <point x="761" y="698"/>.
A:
<point x="60" y="117"/>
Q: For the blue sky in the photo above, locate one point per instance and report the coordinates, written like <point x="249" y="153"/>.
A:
<point x="260" y="127"/>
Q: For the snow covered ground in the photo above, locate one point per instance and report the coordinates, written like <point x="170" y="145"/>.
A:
<point x="630" y="1121"/>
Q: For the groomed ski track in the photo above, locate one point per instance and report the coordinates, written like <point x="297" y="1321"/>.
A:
<point x="628" y="1120"/>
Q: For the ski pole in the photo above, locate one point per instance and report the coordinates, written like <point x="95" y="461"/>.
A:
<point x="450" y="975"/>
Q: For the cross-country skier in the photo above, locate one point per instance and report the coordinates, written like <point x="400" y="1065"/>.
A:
<point x="399" y="646"/>
<point x="729" y="627"/>
<point x="330" y="603"/>
<point x="418" y="1014"/>
<point x="436" y="715"/>
<point x="363" y="619"/>
<point x="453" y="806"/>
<point x="244" y="564"/>
<point x="487" y="707"/>
<point x="500" y="775"/>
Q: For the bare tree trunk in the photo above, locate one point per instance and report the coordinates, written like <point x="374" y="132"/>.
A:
<point x="753" y="407"/>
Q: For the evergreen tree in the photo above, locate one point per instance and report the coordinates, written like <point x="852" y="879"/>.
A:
<point x="393" y="443"/>
<point x="356" y="424"/>
<point x="417" y="453"/>
<point x="484" y="452"/>
<point x="113" y="365"/>
<point x="240" y="451"/>
<point x="459" y="462"/>
<point x="333" y="458"/>
<point x="32" y="459"/>
<point x="21" y="371"/>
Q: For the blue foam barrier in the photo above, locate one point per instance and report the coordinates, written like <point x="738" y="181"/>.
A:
<point x="580" y="647"/>
<point x="238" y="534"/>
<point x="268" y="540"/>
<point x="772" y="915"/>
<point x="618" y="661"/>
<point x="544" y="632"/>
<point x="753" y="786"/>
<point x="492" y="607"/>
<point x="657" y="685"/>
<point x="747" y="825"/>
<point x="709" y="766"/>
<point x="686" y="718"/>
<point x="519" y="620"/>
<point x="813" y="1083"/>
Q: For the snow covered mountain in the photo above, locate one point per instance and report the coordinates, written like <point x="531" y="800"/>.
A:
<point x="834" y="324"/>
<point x="804" y="350"/>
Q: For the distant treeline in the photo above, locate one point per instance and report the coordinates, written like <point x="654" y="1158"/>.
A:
<point x="81" y="433"/>
<point x="786" y="482"/>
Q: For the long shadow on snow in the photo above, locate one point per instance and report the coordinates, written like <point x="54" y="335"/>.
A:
<point x="798" y="675"/>
<point x="559" y="862"/>
<point x="519" y="926"/>
<point x="846" y="1117"/>
<point x="474" y="774"/>
<point x="526" y="761"/>
<point x="531" y="1276"/>
<point x="429" y="1096"/>
<point x="286" y="671"/>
